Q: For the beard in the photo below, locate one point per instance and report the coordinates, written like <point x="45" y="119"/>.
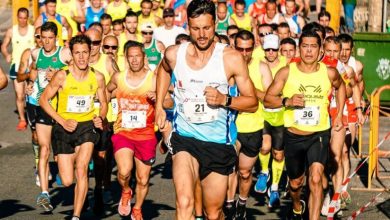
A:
<point x="211" y="40"/>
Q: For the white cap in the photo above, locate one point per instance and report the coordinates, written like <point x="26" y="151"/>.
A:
<point x="146" y="27"/>
<point x="271" y="41"/>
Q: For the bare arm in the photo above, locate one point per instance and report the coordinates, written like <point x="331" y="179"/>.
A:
<point x="80" y="17"/>
<point x="67" y="26"/>
<point x="339" y="85"/>
<point x="112" y="85"/>
<point x="3" y="79"/>
<point x="38" y="22"/>
<point x="272" y="97"/>
<point x="4" y="46"/>
<point x="101" y="94"/>
<point x="359" y="76"/>
<point x="266" y="77"/>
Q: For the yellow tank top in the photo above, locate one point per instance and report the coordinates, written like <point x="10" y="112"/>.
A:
<point x="251" y="122"/>
<point x="315" y="87"/>
<point x="243" y="23"/>
<point x="75" y="99"/>
<point x="275" y="116"/>
<point x="258" y="53"/>
<point x="158" y="12"/>
<point x="117" y="12"/>
<point x="66" y="9"/>
<point x="21" y="43"/>
<point x="149" y="20"/>
<point x="135" y="5"/>
<point x="123" y="40"/>
<point x="121" y="62"/>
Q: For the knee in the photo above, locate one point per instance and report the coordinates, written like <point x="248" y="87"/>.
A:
<point x="315" y="179"/>
<point x="245" y="174"/>
<point x="44" y="151"/>
<point x="66" y="181"/>
<point x="124" y="174"/>
<point x="81" y="173"/>
<point x="296" y="184"/>
<point x="278" y="156"/>
<point x="214" y="214"/>
<point x="184" y="202"/>
<point x="143" y="181"/>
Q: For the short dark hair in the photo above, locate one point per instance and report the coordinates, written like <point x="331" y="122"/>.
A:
<point x="23" y="9"/>
<point x="117" y="21"/>
<point x="49" y="26"/>
<point x="95" y="24"/>
<point x="181" y="37"/>
<point x="224" y="37"/>
<point x="332" y="39"/>
<point x="145" y="1"/>
<point x="200" y="7"/>
<point x="240" y="2"/>
<point x="314" y="26"/>
<point x="310" y="34"/>
<point x="129" y="14"/>
<point x="130" y="44"/>
<point x="105" y="16"/>
<point x="271" y="2"/>
<point x="50" y="1"/>
<point x="323" y="13"/>
<point x="244" y="35"/>
<point x="79" y="39"/>
<point x="288" y="40"/>
<point x="264" y="25"/>
<point x="284" y="25"/>
<point x="346" y="38"/>
<point x="232" y="27"/>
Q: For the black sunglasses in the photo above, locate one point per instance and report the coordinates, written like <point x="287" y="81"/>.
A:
<point x="240" y="49"/>
<point x="264" y="34"/>
<point x="96" y="42"/>
<point x="114" y="47"/>
<point x="269" y="49"/>
<point x="37" y="36"/>
<point x="147" y="33"/>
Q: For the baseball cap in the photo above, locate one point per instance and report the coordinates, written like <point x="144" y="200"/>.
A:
<point x="271" y="41"/>
<point x="168" y="12"/>
<point x="147" y="28"/>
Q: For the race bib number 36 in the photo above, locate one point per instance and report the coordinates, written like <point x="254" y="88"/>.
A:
<point x="197" y="111"/>
<point x="79" y="103"/>
<point x="309" y="115"/>
<point x="133" y="119"/>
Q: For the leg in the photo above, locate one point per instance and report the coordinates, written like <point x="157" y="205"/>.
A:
<point x="82" y="157"/>
<point x="318" y="6"/>
<point x="264" y="156"/>
<point x="99" y="165"/>
<point x="198" y="199"/>
<point x="66" y="168"/>
<point x="214" y="187"/>
<point x="185" y="173"/>
<point x="316" y="194"/>
<point x="44" y="137"/>
<point x="336" y="146"/>
<point x="142" y="177"/>
<point x="124" y="160"/>
<point x="295" y="192"/>
<point x="20" y="99"/>
<point x="245" y="166"/>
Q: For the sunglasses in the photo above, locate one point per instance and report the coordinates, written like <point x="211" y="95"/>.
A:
<point x="269" y="49"/>
<point x="147" y="33"/>
<point x="96" y="42"/>
<point x="37" y="36"/>
<point x="240" y="49"/>
<point x="264" y="34"/>
<point x="113" y="47"/>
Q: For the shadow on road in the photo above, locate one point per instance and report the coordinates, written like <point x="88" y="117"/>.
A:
<point x="11" y="206"/>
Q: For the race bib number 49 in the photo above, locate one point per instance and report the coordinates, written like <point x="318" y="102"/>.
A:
<point x="133" y="119"/>
<point x="309" y="115"/>
<point x="197" y="111"/>
<point x="79" y="103"/>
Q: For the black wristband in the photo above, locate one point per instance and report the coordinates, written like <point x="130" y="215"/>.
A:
<point x="360" y="107"/>
<point x="228" y="100"/>
<point x="284" y="100"/>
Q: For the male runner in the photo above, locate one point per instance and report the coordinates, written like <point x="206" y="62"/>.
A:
<point x="206" y="75"/>
<point x="74" y="133"/>
<point x="250" y="125"/>
<point x="305" y="86"/>
<point x="46" y="62"/>
<point x="21" y="36"/>
<point x="154" y="49"/>
<point x="131" y="24"/>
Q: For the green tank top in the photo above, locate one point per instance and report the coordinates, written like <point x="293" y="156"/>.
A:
<point x="153" y="54"/>
<point x="222" y="26"/>
<point x="43" y="63"/>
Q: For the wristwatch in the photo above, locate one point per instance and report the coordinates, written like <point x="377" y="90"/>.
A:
<point x="228" y="100"/>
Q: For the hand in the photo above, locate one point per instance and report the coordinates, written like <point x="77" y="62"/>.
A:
<point x="360" y="116"/>
<point x="161" y="119"/>
<point x="8" y="58"/>
<point x="97" y="122"/>
<point x="29" y="88"/>
<point x="297" y="100"/>
<point x="338" y="124"/>
<point x="214" y="97"/>
<point x="70" y="125"/>
<point x="151" y="95"/>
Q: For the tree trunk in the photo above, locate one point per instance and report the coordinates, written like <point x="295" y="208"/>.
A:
<point x="375" y="15"/>
<point x="334" y="7"/>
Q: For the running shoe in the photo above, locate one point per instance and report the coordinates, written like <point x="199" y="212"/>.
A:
<point x="261" y="183"/>
<point x="229" y="212"/>
<point x="124" y="206"/>
<point x="240" y="211"/>
<point x="75" y="218"/>
<point x="274" y="199"/>
<point x="22" y="125"/>
<point x="298" y="216"/>
<point x="43" y="201"/>
<point x="325" y="205"/>
<point x="136" y="214"/>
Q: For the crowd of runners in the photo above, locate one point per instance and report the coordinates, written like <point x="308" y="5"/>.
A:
<point x="215" y="85"/>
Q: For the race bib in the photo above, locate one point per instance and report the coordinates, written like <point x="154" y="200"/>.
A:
<point x="133" y="119"/>
<point x="42" y="80"/>
<point x="79" y="103"/>
<point x="114" y="105"/>
<point x="197" y="111"/>
<point x="309" y="115"/>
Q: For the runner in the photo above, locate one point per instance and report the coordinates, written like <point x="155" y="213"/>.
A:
<point x="31" y="101"/>
<point x="105" y="21"/>
<point x="203" y="123"/>
<point x="93" y="13"/>
<point x="117" y="9"/>
<point x="224" y="19"/>
<point x="153" y="48"/>
<point x="117" y="27"/>
<point x="134" y="136"/>
<point x="147" y="17"/>
<point x="21" y="37"/>
<point x="241" y="19"/>
<point x="271" y="16"/>
<point x="74" y="134"/>
<point x="294" y="20"/>
<point x="304" y="86"/>
<point x="250" y="125"/>
<point x="168" y="32"/>
<point x="46" y="62"/>
<point x="131" y="25"/>
<point x="288" y="48"/>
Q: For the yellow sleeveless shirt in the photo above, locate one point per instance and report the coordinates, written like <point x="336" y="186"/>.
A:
<point x="117" y="12"/>
<point x="243" y="23"/>
<point x="66" y="10"/>
<point x="315" y="87"/>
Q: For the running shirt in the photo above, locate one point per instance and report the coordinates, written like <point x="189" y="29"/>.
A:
<point x="21" y="43"/>
<point x="68" y="9"/>
<point x="243" y="23"/>
<point x="75" y="99"/>
<point x="274" y="20"/>
<point x="43" y="63"/>
<point x="136" y="111"/>
<point x="153" y="54"/>
<point x="258" y="10"/>
<point x="293" y="23"/>
<point x="60" y="33"/>
<point x="135" y="5"/>
<point x="91" y="16"/>
<point x="251" y="122"/>
<point x="122" y="41"/>
<point x="222" y="25"/>
<point x="315" y="86"/>
<point x="142" y="21"/>
<point x="118" y="12"/>
<point x="192" y="116"/>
